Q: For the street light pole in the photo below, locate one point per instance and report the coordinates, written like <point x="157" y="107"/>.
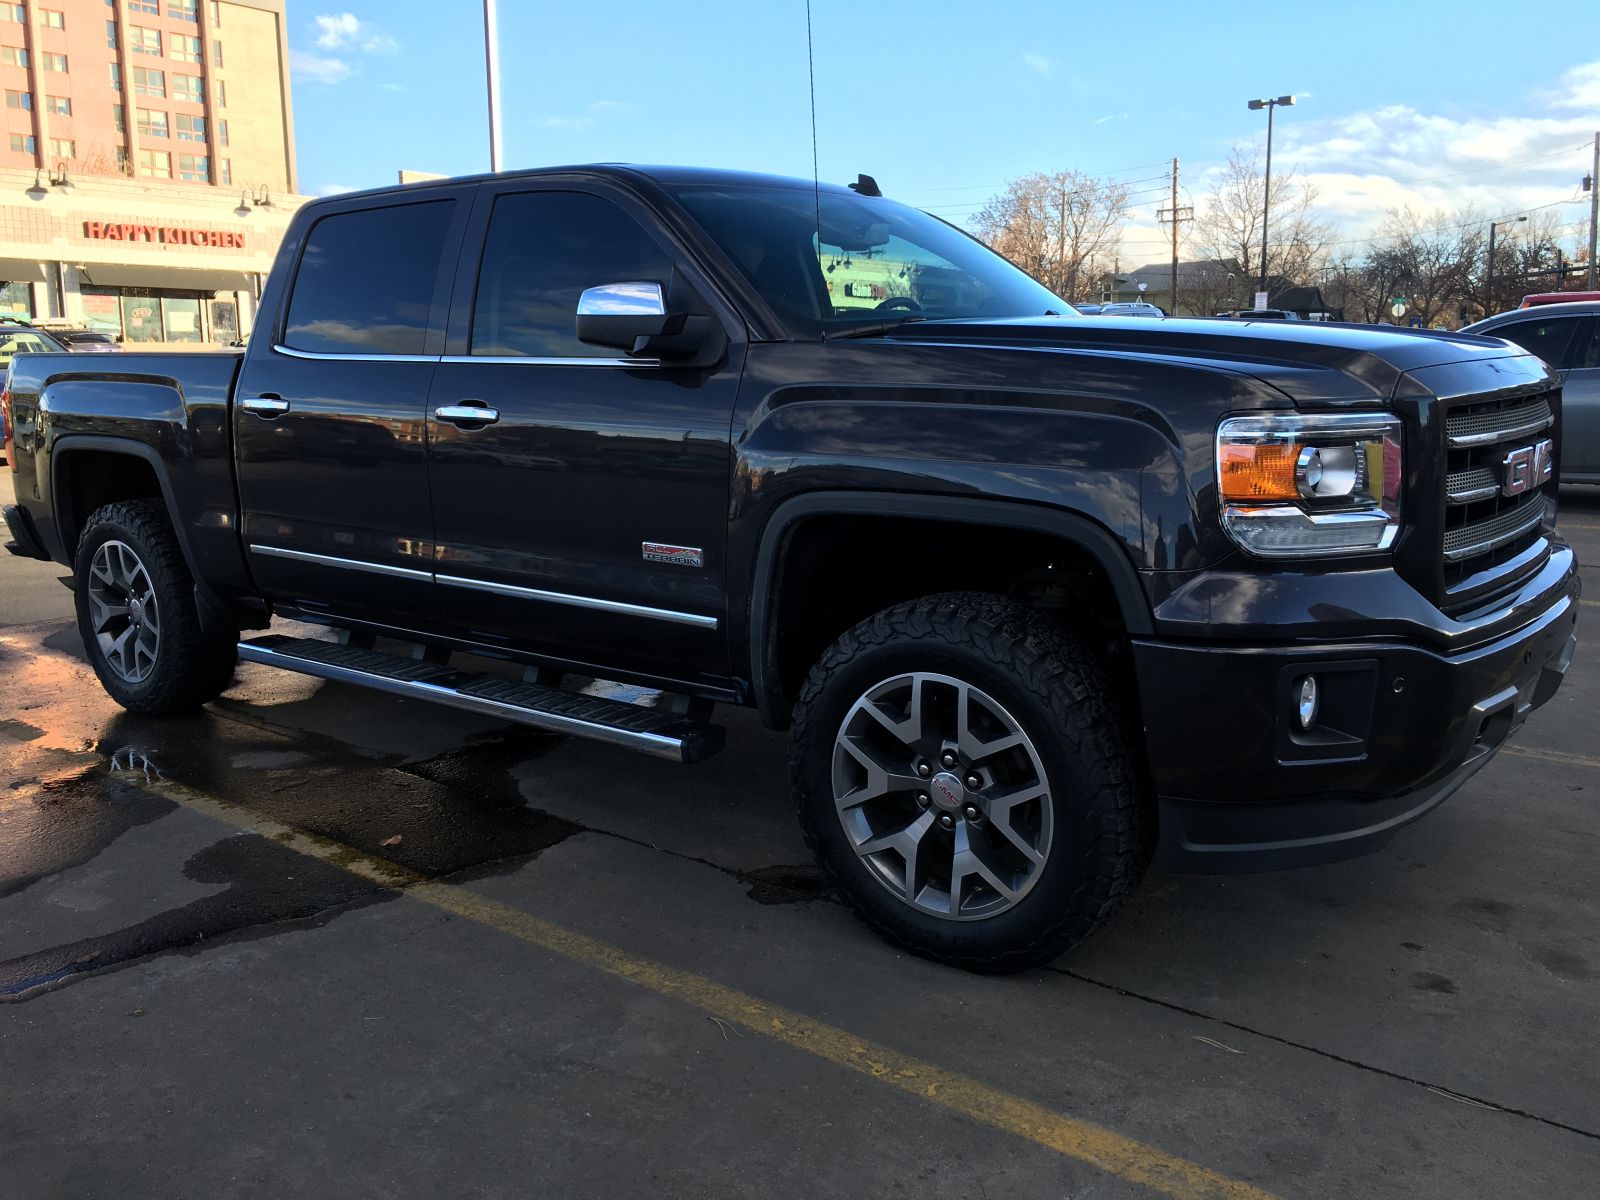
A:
<point x="1488" y="270"/>
<point x="491" y="68"/>
<point x="1266" y="198"/>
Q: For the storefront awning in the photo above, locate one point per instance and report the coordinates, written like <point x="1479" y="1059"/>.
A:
<point x="175" y="278"/>
<point x="16" y="270"/>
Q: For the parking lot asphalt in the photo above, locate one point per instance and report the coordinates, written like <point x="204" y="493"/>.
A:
<point x="316" y="942"/>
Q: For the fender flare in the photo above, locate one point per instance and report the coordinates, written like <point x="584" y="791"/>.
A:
<point x="1089" y="536"/>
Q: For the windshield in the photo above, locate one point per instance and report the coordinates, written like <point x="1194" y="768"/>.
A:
<point x="24" y="341"/>
<point x="875" y="261"/>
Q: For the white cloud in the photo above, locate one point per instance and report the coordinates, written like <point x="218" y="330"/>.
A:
<point x="597" y="110"/>
<point x="563" y="122"/>
<point x="1577" y="88"/>
<point x="1111" y="117"/>
<point x="319" y="68"/>
<point x="333" y="189"/>
<point x="336" y="31"/>
<point x="1036" y="62"/>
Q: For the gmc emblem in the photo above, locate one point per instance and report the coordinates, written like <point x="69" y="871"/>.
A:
<point x="1529" y="467"/>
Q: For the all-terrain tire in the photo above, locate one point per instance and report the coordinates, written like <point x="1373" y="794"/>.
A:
<point x="192" y="663"/>
<point x="1055" y="686"/>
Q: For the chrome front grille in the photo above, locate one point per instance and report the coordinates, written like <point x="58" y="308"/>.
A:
<point x="1491" y="541"/>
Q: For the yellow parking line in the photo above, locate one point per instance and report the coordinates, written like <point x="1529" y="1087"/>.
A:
<point x="1122" y="1156"/>
<point x="1590" y="603"/>
<point x="1556" y="756"/>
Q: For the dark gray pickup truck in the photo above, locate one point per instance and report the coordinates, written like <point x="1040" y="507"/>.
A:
<point x="1037" y="597"/>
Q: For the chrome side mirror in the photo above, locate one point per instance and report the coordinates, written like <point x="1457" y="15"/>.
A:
<point x="622" y="316"/>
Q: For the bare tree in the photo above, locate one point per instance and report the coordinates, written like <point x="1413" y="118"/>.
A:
<point x="1429" y="261"/>
<point x="1228" y="225"/>
<point x="1062" y="228"/>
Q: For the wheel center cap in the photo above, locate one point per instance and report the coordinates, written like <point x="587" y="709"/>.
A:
<point x="948" y="791"/>
<point x="136" y="609"/>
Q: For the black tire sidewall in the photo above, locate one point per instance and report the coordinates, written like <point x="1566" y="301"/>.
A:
<point x="1054" y="898"/>
<point x="174" y="596"/>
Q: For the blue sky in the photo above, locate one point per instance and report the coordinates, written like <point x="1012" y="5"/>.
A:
<point x="1430" y="104"/>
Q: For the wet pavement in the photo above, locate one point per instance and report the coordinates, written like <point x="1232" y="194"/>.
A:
<point x="315" y="941"/>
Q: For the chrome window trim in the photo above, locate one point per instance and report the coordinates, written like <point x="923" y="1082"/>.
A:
<point x="462" y="360"/>
<point x="619" y="607"/>
<point x="590" y="602"/>
<point x="320" y="356"/>
<point x="349" y="564"/>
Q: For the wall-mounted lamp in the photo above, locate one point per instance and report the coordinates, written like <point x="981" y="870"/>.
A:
<point x="256" y="197"/>
<point x="59" y="177"/>
<point x="38" y="191"/>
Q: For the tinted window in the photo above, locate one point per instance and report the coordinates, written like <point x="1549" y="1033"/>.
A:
<point x="365" y="284"/>
<point x="543" y="249"/>
<point x="1588" y="353"/>
<point x="1548" y="338"/>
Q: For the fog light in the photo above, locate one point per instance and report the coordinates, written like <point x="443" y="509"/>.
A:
<point x="1307" y="702"/>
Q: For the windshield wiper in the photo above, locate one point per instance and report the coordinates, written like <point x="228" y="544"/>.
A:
<point x="876" y="329"/>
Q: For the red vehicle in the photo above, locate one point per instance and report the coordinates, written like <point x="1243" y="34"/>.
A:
<point x="1537" y="298"/>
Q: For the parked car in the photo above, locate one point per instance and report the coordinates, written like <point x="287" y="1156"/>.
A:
<point x="1262" y="314"/>
<point x="18" y="337"/>
<point x="1567" y="336"/>
<point x="1537" y="298"/>
<point x="86" y="341"/>
<point x="1089" y="310"/>
<point x="1036" y="596"/>
<point x="1131" y="308"/>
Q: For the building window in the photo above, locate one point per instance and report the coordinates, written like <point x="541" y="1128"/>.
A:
<point x="116" y="77"/>
<point x="122" y="160"/>
<point x="222" y="132"/>
<point x="196" y="168"/>
<point x="185" y="48"/>
<point x="119" y="118"/>
<point x="13" y="56"/>
<point x="144" y="41"/>
<point x="63" y="148"/>
<point x="183" y="10"/>
<point x="52" y="19"/>
<point x="145" y="6"/>
<point x="187" y="87"/>
<point x="222" y="93"/>
<point x="111" y="35"/>
<point x="157" y="164"/>
<point x="19" y="99"/>
<point x="16" y="300"/>
<point x="216" y="51"/>
<point x="14" y="12"/>
<point x="191" y="129"/>
<point x="23" y="143"/>
<point x="53" y="62"/>
<point x="60" y="105"/>
<point x="152" y="124"/>
<point x="216" y="15"/>
<point x="227" y="173"/>
<point x="149" y="82"/>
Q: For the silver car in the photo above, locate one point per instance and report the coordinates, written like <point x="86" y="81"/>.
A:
<point x="1567" y="336"/>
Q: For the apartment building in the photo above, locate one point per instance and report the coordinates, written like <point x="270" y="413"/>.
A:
<point x="148" y="168"/>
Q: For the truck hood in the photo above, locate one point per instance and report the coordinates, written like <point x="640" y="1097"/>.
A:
<point x="1310" y="362"/>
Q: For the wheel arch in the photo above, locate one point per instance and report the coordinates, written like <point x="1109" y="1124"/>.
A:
<point x="1074" y="533"/>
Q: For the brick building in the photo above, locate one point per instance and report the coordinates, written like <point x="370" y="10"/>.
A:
<point x="148" y="170"/>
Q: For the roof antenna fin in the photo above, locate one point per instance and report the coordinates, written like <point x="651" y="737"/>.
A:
<point x="866" y="185"/>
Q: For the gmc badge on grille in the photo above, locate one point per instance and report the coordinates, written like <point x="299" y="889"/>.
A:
<point x="677" y="556"/>
<point x="1529" y="467"/>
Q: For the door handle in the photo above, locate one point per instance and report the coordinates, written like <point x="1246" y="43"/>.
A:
<point x="265" y="406"/>
<point x="467" y="414"/>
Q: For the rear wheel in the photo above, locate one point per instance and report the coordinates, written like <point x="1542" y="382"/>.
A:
<point x="961" y="770"/>
<point x="137" y="613"/>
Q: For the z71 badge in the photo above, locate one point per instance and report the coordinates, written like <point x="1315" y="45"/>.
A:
<point x="677" y="556"/>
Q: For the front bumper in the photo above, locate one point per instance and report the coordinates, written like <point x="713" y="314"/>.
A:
<point x="1240" y="789"/>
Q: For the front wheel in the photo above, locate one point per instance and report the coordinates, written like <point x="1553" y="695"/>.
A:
<point x="137" y="613"/>
<point x="961" y="770"/>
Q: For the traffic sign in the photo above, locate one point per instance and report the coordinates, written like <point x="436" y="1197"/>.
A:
<point x="1399" y="309"/>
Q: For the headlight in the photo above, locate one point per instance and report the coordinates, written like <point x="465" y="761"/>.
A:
<point x="1300" y="486"/>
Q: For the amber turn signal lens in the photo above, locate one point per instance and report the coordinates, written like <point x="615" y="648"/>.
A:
<point x="1259" y="471"/>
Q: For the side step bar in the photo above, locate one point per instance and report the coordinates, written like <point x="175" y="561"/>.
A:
<point x="651" y="731"/>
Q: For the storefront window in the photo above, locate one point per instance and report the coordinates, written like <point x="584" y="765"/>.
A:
<point x="16" y="300"/>
<point x="101" y="311"/>
<point x="224" y="321"/>
<point x="141" y="317"/>
<point x="181" y="319"/>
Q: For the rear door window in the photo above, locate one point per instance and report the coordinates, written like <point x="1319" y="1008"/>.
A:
<point x="1547" y="338"/>
<point x="543" y="249"/>
<point x="367" y="279"/>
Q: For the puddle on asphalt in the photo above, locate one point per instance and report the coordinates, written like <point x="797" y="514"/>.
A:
<point x="84" y="773"/>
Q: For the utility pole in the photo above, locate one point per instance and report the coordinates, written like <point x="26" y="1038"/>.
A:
<point x="1061" y="246"/>
<point x="1594" y="210"/>
<point x="491" y="70"/>
<point x="1176" y="216"/>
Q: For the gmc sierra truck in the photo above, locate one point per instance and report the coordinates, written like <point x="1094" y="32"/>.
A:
<point x="1039" y="598"/>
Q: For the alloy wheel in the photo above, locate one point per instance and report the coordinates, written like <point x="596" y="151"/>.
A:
<point x="123" y="610"/>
